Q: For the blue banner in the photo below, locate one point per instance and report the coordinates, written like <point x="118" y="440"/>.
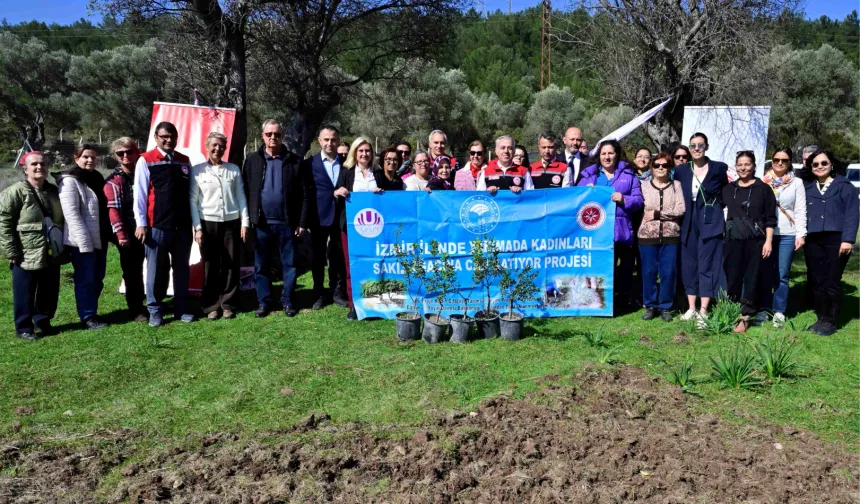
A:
<point x="565" y="234"/>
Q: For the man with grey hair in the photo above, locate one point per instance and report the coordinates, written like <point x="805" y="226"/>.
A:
<point x="436" y="144"/>
<point x="502" y="172"/>
<point x="277" y="196"/>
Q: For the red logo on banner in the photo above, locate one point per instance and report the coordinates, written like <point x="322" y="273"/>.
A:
<point x="591" y="216"/>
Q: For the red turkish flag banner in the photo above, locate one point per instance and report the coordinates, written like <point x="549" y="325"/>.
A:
<point x="194" y="124"/>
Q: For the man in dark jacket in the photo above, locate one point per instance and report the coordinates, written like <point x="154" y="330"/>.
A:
<point x="277" y="205"/>
<point x="571" y="155"/>
<point x="321" y="172"/>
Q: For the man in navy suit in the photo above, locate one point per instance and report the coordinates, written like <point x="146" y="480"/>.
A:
<point x="575" y="160"/>
<point x="322" y="170"/>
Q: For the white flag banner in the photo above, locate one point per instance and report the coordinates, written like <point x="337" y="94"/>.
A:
<point x="632" y="125"/>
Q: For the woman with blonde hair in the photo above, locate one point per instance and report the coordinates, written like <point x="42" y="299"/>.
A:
<point x="119" y="191"/>
<point x="357" y="176"/>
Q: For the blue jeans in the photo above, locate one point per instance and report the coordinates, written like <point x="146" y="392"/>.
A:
<point x="274" y="237"/>
<point x="89" y="280"/>
<point x="774" y="292"/>
<point x="659" y="260"/>
<point x="166" y="248"/>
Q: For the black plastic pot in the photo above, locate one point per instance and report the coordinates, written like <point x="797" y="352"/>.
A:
<point x="435" y="332"/>
<point x="408" y="326"/>
<point x="461" y="326"/>
<point x="488" y="327"/>
<point x="512" y="325"/>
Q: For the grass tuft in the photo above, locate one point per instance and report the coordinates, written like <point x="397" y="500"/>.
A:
<point x="778" y="357"/>
<point x="736" y="368"/>
<point x="723" y="316"/>
<point x="596" y="338"/>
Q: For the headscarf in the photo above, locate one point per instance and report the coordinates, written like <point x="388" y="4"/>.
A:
<point x="778" y="183"/>
<point x="438" y="161"/>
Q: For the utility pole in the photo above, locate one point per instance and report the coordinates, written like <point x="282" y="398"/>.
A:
<point x="510" y="6"/>
<point x="545" y="52"/>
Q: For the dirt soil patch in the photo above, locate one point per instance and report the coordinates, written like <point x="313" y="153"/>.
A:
<point x="611" y="436"/>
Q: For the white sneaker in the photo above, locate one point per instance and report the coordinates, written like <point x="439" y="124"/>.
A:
<point x="778" y="320"/>
<point x="689" y="315"/>
<point x="760" y="318"/>
<point x="702" y="322"/>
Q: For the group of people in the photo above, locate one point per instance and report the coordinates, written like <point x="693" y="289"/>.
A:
<point x="679" y="216"/>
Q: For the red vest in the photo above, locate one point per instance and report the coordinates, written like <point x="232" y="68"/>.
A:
<point x="494" y="176"/>
<point x="551" y="176"/>
<point x="168" y="204"/>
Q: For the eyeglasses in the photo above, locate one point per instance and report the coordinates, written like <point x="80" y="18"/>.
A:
<point x="823" y="164"/>
<point x="784" y="161"/>
<point x="123" y="153"/>
<point x="419" y="163"/>
<point x="271" y="134"/>
<point x="643" y="157"/>
<point x="661" y="165"/>
<point x="166" y="137"/>
<point x="476" y="153"/>
<point x="681" y="156"/>
<point x="698" y="146"/>
<point x="391" y="161"/>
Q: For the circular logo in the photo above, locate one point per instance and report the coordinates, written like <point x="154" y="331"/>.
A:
<point x="591" y="216"/>
<point x="517" y="181"/>
<point x="479" y="214"/>
<point x="368" y="223"/>
<point x="556" y="179"/>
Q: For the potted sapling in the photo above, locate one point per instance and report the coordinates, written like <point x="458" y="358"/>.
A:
<point x="517" y="287"/>
<point x="461" y="325"/>
<point x="439" y="280"/>
<point x="408" y="323"/>
<point x="486" y="272"/>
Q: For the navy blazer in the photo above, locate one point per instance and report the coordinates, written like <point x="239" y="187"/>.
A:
<point x="322" y="209"/>
<point x="836" y="210"/>
<point x="712" y="187"/>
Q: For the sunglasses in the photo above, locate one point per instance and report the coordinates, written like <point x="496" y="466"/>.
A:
<point x="681" y="156"/>
<point x="476" y="153"/>
<point x="744" y="152"/>
<point x="404" y="153"/>
<point x="661" y="165"/>
<point x="272" y="134"/>
<point x="699" y="146"/>
<point x="784" y="161"/>
<point x="823" y="164"/>
<point x="123" y="153"/>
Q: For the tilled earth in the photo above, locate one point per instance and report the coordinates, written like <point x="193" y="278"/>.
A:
<point x="611" y="436"/>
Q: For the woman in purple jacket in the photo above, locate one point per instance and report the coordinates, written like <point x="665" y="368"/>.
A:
<point x="620" y="176"/>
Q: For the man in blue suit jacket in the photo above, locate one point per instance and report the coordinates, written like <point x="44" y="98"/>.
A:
<point x="322" y="170"/>
<point x="702" y="229"/>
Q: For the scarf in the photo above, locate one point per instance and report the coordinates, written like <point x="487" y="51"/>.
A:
<point x="476" y="170"/>
<point x="777" y="183"/>
<point x="438" y="161"/>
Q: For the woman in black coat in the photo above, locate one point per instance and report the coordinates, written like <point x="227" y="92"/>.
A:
<point x="833" y="214"/>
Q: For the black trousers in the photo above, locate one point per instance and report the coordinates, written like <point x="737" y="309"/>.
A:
<point x="327" y="248"/>
<point x="824" y="267"/>
<point x="34" y="296"/>
<point x="624" y="256"/>
<point x="742" y="264"/>
<point x="131" y="262"/>
<point x="220" y="251"/>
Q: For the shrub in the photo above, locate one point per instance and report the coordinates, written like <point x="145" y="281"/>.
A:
<point x="778" y="357"/>
<point x="736" y="368"/>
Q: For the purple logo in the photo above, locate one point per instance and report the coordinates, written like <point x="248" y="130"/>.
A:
<point x="368" y="222"/>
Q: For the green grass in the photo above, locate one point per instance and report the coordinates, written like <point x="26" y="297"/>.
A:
<point x="228" y="375"/>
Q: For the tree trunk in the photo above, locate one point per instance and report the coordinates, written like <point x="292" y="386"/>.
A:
<point x="236" y="92"/>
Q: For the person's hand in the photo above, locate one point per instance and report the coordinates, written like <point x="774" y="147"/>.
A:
<point x="243" y="233"/>
<point x="16" y="260"/>
<point x="617" y="197"/>
<point x="516" y="189"/>
<point x="845" y="248"/>
<point x="198" y="237"/>
<point x="123" y="242"/>
<point x="140" y="233"/>
<point x="300" y="231"/>
<point x="428" y="190"/>
<point x="343" y="192"/>
<point x="799" y="242"/>
<point x="378" y="190"/>
<point x="766" y="249"/>
<point x="492" y="189"/>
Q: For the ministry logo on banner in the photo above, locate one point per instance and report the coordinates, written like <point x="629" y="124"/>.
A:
<point x="591" y="216"/>
<point x="479" y="214"/>
<point x="369" y="223"/>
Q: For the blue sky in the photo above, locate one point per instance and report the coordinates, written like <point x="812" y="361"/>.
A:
<point x="67" y="11"/>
